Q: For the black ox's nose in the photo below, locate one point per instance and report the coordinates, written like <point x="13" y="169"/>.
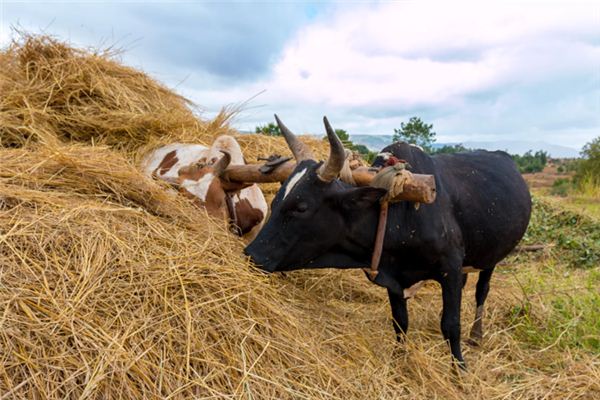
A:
<point x="260" y="261"/>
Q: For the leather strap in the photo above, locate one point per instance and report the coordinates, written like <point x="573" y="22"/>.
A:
<point x="378" y="248"/>
<point x="233" y="220"/>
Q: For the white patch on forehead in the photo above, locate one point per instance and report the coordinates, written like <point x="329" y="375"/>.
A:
<point x="385" y="155"/>
<point x="293" y="181"/>
<point x="198" y="188"/>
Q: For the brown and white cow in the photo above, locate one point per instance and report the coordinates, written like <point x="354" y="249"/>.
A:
<point x="195" y="170"/>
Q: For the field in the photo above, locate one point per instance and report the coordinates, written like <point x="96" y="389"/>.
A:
<point x="110" y="287"/>
<point x="586" y="201"/>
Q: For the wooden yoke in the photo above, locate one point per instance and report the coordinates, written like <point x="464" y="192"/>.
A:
<point x="419" y="188"/>
<point x="253" y="173"/>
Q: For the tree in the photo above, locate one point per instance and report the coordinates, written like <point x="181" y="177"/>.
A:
<point x="416" y="132"/>
<point x="588" y="169"/>
<point x="529" y="162"/>
<point x="343" y="135"/>
<point x="365" y="153"/>
<point x="270" y="129"/>
<point x="360" y="148"/>
<point x="363" y="150"/>
<point x="450" y="149"/>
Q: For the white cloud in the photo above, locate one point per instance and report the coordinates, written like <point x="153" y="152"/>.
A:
<point x="410" y="53"/>
<point x="477" y="70"/>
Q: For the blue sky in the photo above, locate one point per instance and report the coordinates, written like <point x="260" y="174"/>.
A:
<point x="479" y="71"/>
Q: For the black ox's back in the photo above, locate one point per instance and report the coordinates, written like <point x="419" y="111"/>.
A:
<point x="481" y="193"/>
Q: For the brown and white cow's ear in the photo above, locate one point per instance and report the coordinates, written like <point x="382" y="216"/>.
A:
<point x="361" y="198"/>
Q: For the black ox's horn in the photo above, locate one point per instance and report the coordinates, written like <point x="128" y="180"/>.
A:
<point x="300" y="151"/>
<point x="332" y="167"/>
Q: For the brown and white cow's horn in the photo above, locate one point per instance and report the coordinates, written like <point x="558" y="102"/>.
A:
<point x="332" y="167"/>
<point x="220" y="166"/>
<point x="299" y="150"/>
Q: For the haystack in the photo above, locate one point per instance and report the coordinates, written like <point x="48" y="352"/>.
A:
<point x="54" y="92"/>
<point x="110" y="287"/>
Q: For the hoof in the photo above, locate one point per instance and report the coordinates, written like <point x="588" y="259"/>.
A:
<point x="474" y="341"/>
<point x="459" y="368"/>
<point x="399" y="351"/>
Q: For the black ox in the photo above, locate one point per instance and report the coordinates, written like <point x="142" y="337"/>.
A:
<point x="481" y="212"/>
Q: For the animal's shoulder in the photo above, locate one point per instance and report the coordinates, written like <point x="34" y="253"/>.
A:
<point x="420" y="162"/>
<point x="478" y="159"/>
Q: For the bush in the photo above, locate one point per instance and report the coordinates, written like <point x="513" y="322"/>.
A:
<point x="588" y="169"/>
<point x="450" y="149"/>
<point x="270" y="129"/>
<point x="365" y="153"/>
<point x="577" y="237"/>
<point x="529" y="162"/>
<point x="561" y="187"/>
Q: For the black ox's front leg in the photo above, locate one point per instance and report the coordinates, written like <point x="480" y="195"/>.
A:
<point x="452" y="281"/>
<point x="399" y="315"/>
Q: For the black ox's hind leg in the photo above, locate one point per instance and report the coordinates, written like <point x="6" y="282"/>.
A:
<point x="399" y="315"/>
<point x="483" y="287"/>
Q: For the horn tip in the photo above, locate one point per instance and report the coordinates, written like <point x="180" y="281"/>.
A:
<point x="328" y="127"/>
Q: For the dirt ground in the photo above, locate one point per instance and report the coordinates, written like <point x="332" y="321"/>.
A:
<point x="545" y="179"/>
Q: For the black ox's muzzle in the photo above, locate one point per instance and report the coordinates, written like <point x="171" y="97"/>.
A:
<point x="260" y="260"/>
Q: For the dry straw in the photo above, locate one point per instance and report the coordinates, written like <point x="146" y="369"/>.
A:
<point x="110" y="287"/>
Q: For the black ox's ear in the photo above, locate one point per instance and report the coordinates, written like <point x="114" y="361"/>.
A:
<point x="361" y="198"/>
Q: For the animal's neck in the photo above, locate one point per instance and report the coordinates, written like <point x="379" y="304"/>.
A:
<point x="359" y="239"/>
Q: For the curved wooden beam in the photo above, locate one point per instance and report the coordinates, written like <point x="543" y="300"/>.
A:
<point x="419" y="189"/>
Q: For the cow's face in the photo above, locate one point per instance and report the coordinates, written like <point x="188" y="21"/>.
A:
<point x="311" y="212"/>
<point x="201" y="182"/>
<point x="198" y="182"/>
<point x="309" y="219"/>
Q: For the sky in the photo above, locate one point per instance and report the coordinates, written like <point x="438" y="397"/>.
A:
<point x="478" y="71"/>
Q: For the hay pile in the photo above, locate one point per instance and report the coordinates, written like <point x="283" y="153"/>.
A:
<point x="112" y="288"/>
<point x="54" y="92"/>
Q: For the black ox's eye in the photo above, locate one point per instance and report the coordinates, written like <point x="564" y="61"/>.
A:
<point x="297" y="209"/>
<point x="301" y="207"/>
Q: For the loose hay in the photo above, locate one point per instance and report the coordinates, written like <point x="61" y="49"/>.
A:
<point x="110" y="287"/>
<point x="53" y="91"/>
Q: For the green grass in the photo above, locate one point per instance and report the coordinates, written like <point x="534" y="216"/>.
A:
<point x="561" y="289"/>
<point x="561" y="187"/>
<point x="588" y="187"/>
<point x="576" y="237"/>
<point x="561" y="310"/>
<point x="583" y="204"/>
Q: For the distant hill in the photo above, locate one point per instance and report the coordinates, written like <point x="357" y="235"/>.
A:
<point x="378" y="142"/>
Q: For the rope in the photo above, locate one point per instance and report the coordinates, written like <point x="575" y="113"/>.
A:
<point x="392" y="179"/>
